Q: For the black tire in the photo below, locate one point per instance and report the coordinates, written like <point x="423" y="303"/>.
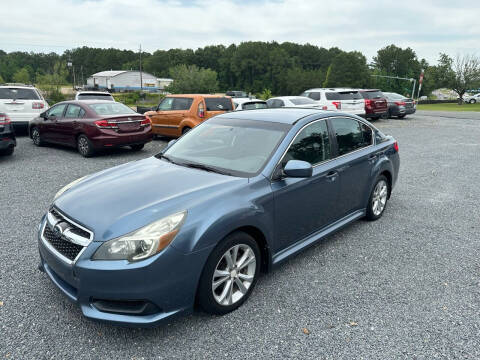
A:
<point x="8" y="151"/>
<point x="85" y="146"/>
<point x="137" y="147"/>
<point x="473" y="101"/>
<point x="402" y="116"/>
<point x="36" y="137"/>
<point x="186" y="129"/>
<point x="205" y="293"/>
<point x="372" y="215"/>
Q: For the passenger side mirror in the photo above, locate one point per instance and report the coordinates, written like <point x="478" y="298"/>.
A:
<point x="298" y="169"/>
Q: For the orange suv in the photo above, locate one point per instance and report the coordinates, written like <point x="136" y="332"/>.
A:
<point x="176" y="114"/>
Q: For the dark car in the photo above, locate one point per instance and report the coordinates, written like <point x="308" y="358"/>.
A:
<point x="236" y="195"/>
<point x="399" y="105"/>
<point x="91" y="125"/>
<point x="236" y="94"/>
<point x="375" y="104"/>
<point x="7" y="135"/>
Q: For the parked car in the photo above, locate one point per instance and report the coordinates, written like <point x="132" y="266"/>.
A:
<point x="177" y="114"/>
<point x="7" y="135"/>
<point x="236" y="94"/>
<point x="238" y="194"/>
<point x="472" y="99"/>
<point x="249" y="104"/>
<point x="91" y="125"/>
<point x="347" y="100"/>
<point x="399" y="105"/>
<point x="375" y="103"/>
<point x="93" y="95"/>
<point x="21" y="103"/>
<point x="297" y="101"/>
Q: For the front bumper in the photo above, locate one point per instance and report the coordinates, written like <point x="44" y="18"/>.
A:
<point x="167" y="280"/>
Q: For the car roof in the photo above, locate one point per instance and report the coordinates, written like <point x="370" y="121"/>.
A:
<point x="280" y="115"/>
<point x="247" y="100"/>
<point x="93" y="92"/>
<point x="331" y="89"/>
<point x="199" y="95"/>
<point x="288" y="97"/>
<point x="86" y="102"/>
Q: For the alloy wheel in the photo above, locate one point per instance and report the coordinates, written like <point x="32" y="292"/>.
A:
<point x="36" y="137"/>
<point x="379" y="198"/>
<point x="83" y="146"/>
<point x="234" y="274"/>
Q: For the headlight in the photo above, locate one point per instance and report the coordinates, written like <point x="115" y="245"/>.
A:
<point x="144" y="242"/>
<point x="66" y="187"/>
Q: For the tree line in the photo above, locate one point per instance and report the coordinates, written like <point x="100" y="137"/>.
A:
<point x="281" y="68"/>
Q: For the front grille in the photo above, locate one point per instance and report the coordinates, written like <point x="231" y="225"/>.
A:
<point x="64" y="247"/>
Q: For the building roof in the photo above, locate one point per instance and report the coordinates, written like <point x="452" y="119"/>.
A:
<point x="109" y="73"/>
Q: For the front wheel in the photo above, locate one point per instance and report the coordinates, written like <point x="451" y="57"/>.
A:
<point x="378" y="199"/>
<point x="230" y="274"/>
<point x="85" y="146"/>
<point x="36" y="137"/>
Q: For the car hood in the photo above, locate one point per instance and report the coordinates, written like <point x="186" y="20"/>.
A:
<point x="119" y="200"/>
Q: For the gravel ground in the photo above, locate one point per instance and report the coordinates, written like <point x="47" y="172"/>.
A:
<point x="406" y="286"/>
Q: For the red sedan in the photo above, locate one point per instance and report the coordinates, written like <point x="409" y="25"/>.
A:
<point x="90" y="126"/>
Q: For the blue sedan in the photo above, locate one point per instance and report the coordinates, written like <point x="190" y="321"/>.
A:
<point x="148" y="240"/>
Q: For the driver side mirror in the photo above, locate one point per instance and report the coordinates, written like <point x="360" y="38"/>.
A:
<point x="298" y="169"/>
<point x="43" y="115"/>
<point x="171" y="142"/>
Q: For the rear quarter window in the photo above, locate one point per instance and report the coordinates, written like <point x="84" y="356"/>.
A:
<point x="218" y="104"/>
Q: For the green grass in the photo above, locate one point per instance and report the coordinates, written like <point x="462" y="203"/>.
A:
<point x="449" y="107"/>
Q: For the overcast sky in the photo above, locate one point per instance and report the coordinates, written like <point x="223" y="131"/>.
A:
<point x="426" y="26"/>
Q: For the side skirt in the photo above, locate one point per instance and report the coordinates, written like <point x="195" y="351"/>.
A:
<point x="312" y="239"/>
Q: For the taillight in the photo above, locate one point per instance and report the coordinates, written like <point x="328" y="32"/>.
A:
<point x="368" y="103"/>
<point x="337" y="104"/>
<point x="4" y="119"/>
<point x="201" y="110"/>
<point x="147" y="121"/>
<point x="395" y="146"/>
<point x="400" y="103"/>
<point x="105" y="124"/>
<point x="38" y="105"/>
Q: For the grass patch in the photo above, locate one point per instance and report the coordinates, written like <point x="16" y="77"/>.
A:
<point x="449" y="107"/>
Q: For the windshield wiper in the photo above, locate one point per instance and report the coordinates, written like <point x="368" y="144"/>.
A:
<point x="161" y="156"/>
<point x="205" y="167"/>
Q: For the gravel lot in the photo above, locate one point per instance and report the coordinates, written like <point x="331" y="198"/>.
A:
<point x="406" y="286"/>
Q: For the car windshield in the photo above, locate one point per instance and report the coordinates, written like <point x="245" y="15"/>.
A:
<point x="254" y="105"/>
<point x="18" y="94"/>
<point x="233" y="147"/>
<point x="95" y="97"/>
<point x="112" y="108"/>
<point x="302" y="101"/>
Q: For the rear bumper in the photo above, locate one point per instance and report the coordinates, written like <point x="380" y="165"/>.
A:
<point x="21" y="118"/>
<point x="111" y="139"/>
<point x="375" y="113"/>
<point x="7" y="139"/>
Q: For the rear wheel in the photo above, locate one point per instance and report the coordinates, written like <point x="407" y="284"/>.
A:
<point x="36" y="137"/>
<point x="137" y="147"/>
<point x="85" y="146"/>
<point x="230" y="274"/>
<point x="473" y="101"/>
<point x="378" y="199"/>
<point x="186" y="129"/>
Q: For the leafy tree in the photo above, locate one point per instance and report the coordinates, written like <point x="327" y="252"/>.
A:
<point x="1" y="80"/>
<point x="297" y="80"/>
<point x="348" y="70"/>
<point x="467" y="74"/>
<point x="265" y="94"/>
<point x="191" y="79"/>
<point x="21" y="76"/>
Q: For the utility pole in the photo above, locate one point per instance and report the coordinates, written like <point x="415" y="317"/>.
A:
<point x="141" y="80"/>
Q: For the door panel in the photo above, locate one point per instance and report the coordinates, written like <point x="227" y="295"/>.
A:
<point x="64" y="127"/>
<point x="50" y="130"/>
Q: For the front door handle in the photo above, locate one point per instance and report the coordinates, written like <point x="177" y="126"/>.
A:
<point x="372" y="158"/>
<point x="332" y="175"/>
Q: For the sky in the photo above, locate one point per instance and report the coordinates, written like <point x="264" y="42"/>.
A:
<point x="428" y="27"/>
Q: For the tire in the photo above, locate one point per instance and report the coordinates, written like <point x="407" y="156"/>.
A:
<point x="85" y="146"/>
<point x="186" y="129"/>
<point x="37" y="138"/>
<point x="137" y="147"/>
<point x="402" y="116"/>
<point x="377" y="202"/>
<point x="220" y="300"/>
<point x="472" y="101"/>
<point x="8" y="151"/>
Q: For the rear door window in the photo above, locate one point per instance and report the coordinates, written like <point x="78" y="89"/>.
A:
<point x="351" y="135"/>
<point x="218" y="104"/>
<point x="18" y="94"/>
<point x="73" y="111"/>
<point x="182" y="103"/>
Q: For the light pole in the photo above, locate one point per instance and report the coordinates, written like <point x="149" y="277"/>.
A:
<point x="70" y="64"/>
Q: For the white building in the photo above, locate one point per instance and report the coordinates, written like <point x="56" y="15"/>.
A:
<point x="122" y="80"/>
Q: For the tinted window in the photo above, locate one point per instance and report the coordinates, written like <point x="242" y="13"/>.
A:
<point x="312" y="144"/>
<point x="112" y="108"/>
<point x="254" y="105"/>
<point x="351" y="135"/>
<point x="312" y="95"/>
<point x="275" y="103"/>
<point x="302" y="101"/>
<point x="218" y="104"/>
<point x="166" y="104"/>
<point x="372" y="94"/>
<point x="57" y="110"/>
<point x="182" y="103"/>
<point x="73" y="111"/>
<point x="343" y="95"/>
<point x="18" y="93"/>
<point x="95" y="97"/>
